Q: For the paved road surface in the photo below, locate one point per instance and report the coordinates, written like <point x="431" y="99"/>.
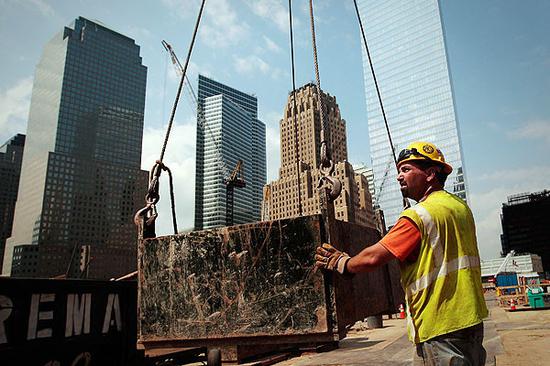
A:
<point x="511" y="338"/>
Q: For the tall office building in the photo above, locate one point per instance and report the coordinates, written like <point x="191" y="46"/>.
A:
<point x="407" y="47"/>
<point x="11" y="155"/>
<point x="369" y="174"/>
<point x="378" y="213"/>
<point x="81" y="180"/>
<point x="525" y="224"/>
<point x="228" y="130"/>
<point x="300" y="158"/>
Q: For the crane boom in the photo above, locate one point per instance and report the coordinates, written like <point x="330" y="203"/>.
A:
<point x="504" y="263"/>
<point x="200" y="114"/>
<point x="231" y="179"/>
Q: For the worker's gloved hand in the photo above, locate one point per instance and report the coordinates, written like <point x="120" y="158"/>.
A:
<point x="331" y="258"/>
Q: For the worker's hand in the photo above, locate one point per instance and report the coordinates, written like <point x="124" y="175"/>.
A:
<point x="331" y="258"/>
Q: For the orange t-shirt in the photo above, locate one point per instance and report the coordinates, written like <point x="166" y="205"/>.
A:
<point x="403" y="240"/>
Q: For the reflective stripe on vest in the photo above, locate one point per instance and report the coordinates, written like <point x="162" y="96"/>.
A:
<point x="446" y="268"/>
<point x="441" y="268"/>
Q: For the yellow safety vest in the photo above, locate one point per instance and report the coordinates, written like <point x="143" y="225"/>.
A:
<point x="443" y="286"/>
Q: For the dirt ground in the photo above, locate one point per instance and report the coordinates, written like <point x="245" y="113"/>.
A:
<point x="525" y="336"/>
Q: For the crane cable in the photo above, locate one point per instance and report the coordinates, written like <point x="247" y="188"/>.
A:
<point x="182" y="80"/>
<point x="294" y="115"/>
<point x="194" y="102"/>
<point x="406" y="203"/>
<point x="149" y="212"/>
<point x="327" y="166"/>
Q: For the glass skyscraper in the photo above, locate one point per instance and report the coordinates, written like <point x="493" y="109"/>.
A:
<point x="11" y="156"/>
<point x="228" y="130"/>
<point x="407" y="47"/>
<point x="81" y="180"/>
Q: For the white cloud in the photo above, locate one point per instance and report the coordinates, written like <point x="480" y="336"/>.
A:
<point x="272" y="10"/>
<point x="43" y="7"/>
<point x="486" y="205"/>
<point x="270" y="45"/>
<point x="273" y="143"/>
<point x="532" y="130"/>
<point x="14" y="108"/>
<point x="180" y="158"/>
<point x="273" y="150"/>
<point x="222" y="27"/>
<point x="318" y="8"/>
<point x="516" y="176"/>
<point x="182" y="8"/>
<point x="251" y="64"/>
<point x="142" y="35"/>
<point x="193" y="70"/>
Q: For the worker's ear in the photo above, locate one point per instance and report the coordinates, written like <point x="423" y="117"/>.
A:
<point x="432" y="172"/>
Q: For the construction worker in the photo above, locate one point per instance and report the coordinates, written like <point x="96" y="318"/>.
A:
<point x="436" y="246"/>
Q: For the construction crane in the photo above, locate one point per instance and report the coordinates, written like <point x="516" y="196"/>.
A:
<point x="235" y="178"/>
<point x="200" y="114"/>
<point x="502" y="266"/>
<point x="378" y="192"/>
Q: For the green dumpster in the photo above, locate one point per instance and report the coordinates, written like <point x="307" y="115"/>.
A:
<point x="536" y="297"/>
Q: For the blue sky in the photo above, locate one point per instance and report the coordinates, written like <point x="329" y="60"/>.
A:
<point x="499" y="56"/>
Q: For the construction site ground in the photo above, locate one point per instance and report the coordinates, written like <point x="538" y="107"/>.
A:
<point x="511" y="338"/>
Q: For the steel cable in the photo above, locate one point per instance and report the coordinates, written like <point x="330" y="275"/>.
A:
<point x="152" y="197"/>
<point x="325" y="150"/>
<point x="406" y="202"/>
<point x="182" y="80"/>
<point x="294" y="115"/>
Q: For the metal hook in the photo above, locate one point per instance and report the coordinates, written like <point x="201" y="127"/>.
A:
<point x="334" y="184"/>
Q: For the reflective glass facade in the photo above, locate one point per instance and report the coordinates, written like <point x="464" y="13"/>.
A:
<point x="81" y="180"/>
<point x="230" y="131"/>
<point x="407" y="47"/>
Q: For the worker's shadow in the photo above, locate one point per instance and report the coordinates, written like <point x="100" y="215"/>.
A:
<point x="359" y="342"/>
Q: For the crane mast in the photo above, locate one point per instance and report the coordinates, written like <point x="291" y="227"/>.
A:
<point x="235" y="180"/>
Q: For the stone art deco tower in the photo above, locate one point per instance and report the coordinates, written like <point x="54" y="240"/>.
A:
<point x="81" y="180"/>
<point x="282" y="197"/>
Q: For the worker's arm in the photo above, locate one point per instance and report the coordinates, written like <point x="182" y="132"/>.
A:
<point x="399" y="243"/>
<point x="369" y="259"/>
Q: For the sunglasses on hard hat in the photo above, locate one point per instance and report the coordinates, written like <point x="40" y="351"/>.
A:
<point x="406" y="153"/>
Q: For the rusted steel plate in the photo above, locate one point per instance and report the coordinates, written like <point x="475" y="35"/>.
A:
<point x="242" y="281"/>
<point x="365" y="294"/>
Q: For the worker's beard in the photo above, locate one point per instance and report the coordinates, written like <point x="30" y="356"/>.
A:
<point x="405" y="191"/>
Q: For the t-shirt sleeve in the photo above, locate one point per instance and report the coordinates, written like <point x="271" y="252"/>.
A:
<point x="402" y="239"/>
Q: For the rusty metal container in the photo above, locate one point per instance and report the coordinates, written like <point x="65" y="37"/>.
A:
<point x="255" y="285"/>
